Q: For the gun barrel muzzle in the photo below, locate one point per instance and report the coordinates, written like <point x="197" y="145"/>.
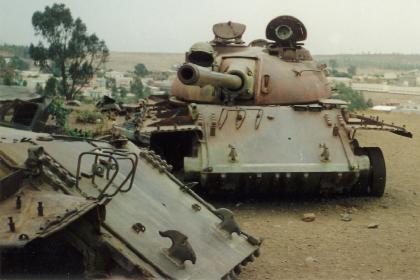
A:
<point x="191" y="74"/>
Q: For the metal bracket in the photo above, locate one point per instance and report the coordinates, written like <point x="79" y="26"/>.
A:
<point x="180" y="250"/>
<point x="228" y="221"/>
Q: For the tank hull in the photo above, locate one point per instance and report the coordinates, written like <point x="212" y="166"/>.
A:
<point x="278" y="149"/>
<point x="302" y="149"/>
<point x="128" y="225"/>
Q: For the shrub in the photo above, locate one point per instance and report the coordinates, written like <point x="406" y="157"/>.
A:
<point x="87" y="116"/>
<point x="356" y="98"/>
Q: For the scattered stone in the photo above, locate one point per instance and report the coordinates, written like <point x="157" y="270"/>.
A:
<point x="373" y="225"/>
<point x="308" y="217"/>
<point x="346" y="217"/>
<point x="310" y="260"/>
<point x="238" y="204"/>
<point x="353" y="210"/>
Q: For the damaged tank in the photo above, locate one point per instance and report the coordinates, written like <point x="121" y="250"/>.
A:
<point x="76" y="207"/>
<point x="258" y="118"/>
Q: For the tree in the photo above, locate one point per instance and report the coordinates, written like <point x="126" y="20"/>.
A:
<point x="2" y="62"/>
<point x="356" y="98"/>
<point x="59" y="112"/>
<point x="65" y="44"/>
<point x="51" y="87"/>
<point x="123" y="92"/>
<point x="141" y="70"/>
<point x="9" y="75"/>
<point x="110" y="83"/>
<point x="352" y="70"/>
<point x="136" y="87"/>
<point x="114" y="91"/>
<point x="38" y="89"/>
<point x="146" y="92"/>
<point x="333" y="63"/>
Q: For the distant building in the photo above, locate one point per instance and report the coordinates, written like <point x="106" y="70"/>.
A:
<point x="390" y="76"/>
<point x="95" y="93"/>
<point x="340" y="80"/>
<point x="383" y="108"/>
<point x="124" y="82"/>
<point x="96" y="82"/>
<point x="114" y="75"/>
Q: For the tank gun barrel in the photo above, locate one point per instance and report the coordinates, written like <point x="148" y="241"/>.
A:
<point x="191" y="74"/>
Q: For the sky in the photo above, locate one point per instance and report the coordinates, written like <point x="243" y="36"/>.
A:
<point x="334" y="26"/>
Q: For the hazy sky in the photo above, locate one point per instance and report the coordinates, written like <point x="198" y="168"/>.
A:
<point x="334" y="26"/>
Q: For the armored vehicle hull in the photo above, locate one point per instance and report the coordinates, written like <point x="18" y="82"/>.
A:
<point x="255" y="150"/>
<point x="258" y="118"/>
<point x="72" y="206"/>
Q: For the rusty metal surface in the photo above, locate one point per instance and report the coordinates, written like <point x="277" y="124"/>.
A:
<point x="163" y="208"/>
<point x="28" y="114"/>
<point x="138" y="217"/>
<point x="279" y="72"/>
<point x="299" y="148"/>
<point x="259" y="119"/>
<point x="273" y="146"/>
<point x="275" y="81"/>
<point x="230" y="30"/>
<point x="59" y="211"/>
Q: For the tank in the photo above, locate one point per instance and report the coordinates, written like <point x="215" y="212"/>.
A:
<point x="73" y="208"/>
<point x="258" y="118"/>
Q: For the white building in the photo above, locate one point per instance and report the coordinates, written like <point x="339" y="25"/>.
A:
<point x="114" y="75"/>
<point x="95" y="93"/>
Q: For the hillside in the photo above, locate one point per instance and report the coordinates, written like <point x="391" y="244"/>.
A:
<point x="125" y="61"/>
<point x="122" y="61"/>
<point x="379" y="61"/>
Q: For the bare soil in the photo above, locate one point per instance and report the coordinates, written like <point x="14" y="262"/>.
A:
<point x="329" y="248"/>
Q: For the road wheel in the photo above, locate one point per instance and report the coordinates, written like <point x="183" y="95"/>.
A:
<point x="377" y="178"/>
<point x="361" y="188"/>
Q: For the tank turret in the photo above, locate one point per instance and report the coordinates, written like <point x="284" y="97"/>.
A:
<point x="275" y="71"/>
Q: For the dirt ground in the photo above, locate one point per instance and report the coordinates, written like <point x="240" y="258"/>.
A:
<point x="329" y="248"/>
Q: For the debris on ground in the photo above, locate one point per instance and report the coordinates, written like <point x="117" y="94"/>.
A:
<point x="346" y="217"/>
<point x="308" y="217"/>
<point x="311" y="260"/>
<point x="373" y="225"/>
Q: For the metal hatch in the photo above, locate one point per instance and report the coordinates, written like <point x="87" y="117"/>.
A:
<point x="156" y="210"/>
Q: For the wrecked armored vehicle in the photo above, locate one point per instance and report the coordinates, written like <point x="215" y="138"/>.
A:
<point x="258" y="118"/>
<point x="71" y="207"/>
<point x="25" y="113"/>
